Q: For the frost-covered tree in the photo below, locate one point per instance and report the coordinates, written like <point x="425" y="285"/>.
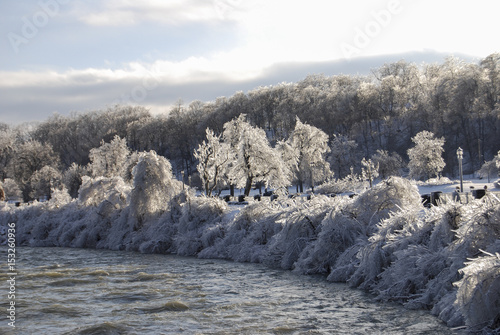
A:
<point x="311" y="146"/>
<point x="426" y="158"/>
<point x="255" y="160"/>
<point x="6" y="149"/>
<point x="214" y="157"/>
<point x="490" y="168"/>
<point x="370" y="170"/>
<point x="72" y="179"/>
<point x="44" y="181"/>
<point x="11" y="189"/>
<point x="497" y="160"/>
<point x="154" y="187"/>
<point x="109" y="159"/>
<point x="231" y="136"/>
<point x="28" y="158"/>
<point x="289" y="157"/>
<point x="128" y="167"/>
<point x="389" y="165"/>
<point x="343" y="155"/>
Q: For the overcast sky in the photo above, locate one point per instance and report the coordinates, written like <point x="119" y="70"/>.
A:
<point x="61" y="56"/>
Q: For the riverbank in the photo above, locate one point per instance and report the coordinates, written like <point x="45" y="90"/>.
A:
<point x="382" y="241"/>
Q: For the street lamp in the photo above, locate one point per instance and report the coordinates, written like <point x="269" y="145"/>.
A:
<point x="182" y="176"/>
<point x="460" y="156"/>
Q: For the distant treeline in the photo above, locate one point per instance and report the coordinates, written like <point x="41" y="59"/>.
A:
<point x="456" y="100"/>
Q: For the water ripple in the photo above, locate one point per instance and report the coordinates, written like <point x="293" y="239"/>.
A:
<point x="106" y="292"/>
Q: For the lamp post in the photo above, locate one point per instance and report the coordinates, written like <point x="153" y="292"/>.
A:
<point x="460" y="156"/>
<point x="182" y="176"/>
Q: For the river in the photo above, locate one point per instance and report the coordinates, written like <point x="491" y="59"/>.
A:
<point x="83" y="291"/>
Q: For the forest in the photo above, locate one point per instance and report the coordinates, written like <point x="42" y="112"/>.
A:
<point x="362" y="117"/>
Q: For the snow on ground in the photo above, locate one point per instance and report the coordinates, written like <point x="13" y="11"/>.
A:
<point x="468" y="182"/>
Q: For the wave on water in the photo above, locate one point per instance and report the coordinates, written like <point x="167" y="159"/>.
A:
<point x="106" y="328"/>
<point x="171" y="306"/>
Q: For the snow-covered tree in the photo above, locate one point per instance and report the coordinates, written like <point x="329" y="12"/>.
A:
<point x="72" y="179"/>
<point x="109" y="159"/>
<point x="290" y="158"/>
<point x="255" y="160"/>
<point x="311" y="146"/>
<point x="154" y="187"/>
<point x="343" y="155"/>
<point x="214" y="157"/>
<point x="11" y="189"/>
<point x="28" y="158"/>
<point x="370" y="170"/>
<point x="44" y="181"/>
<point x="389" y="165"/>
<point x="426" y="158"/>
<point x="490" y="168"/>
<point x="128" y="167"/>
<point x="7" y="139"/>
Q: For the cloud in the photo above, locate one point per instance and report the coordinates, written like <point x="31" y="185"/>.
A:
<point x="172" y="12"/>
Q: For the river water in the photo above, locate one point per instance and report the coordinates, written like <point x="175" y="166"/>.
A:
<point x="76" y="291"/>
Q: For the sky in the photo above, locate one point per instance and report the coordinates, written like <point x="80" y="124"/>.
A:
<point x="66" y="56"/>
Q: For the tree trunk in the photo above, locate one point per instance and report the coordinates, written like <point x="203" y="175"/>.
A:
<point x="207" y="189"/>
<point x="248" y="186"/>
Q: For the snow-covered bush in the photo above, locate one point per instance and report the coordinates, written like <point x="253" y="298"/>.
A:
<point x="196" y="228"/>
<point x="390" y="195"/>
<point x="339" y="230"/>
<point x="301" y="228"/>
<point x="343" y="248"/>
<point x="478" y="296"/>
<point x="350" y="183"/>
<point x="154" y="187"/>
<point x="96" y="190"/>
<point x="406" y="263"/>
<point x="246" y="237"/>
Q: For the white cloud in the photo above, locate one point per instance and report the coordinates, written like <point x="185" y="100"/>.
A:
<point x="128" y="12"/>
